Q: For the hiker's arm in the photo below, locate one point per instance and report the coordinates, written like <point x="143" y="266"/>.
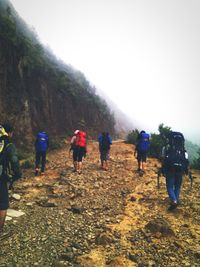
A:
<point x="71" y="147"/>
<point x="14" y="162"/>
<point x="110" y="140"/>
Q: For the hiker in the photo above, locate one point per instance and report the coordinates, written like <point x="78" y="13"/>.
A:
<point x="141" y="150"/>
<point x="73" y="148"/>
<point x="174" y="165"/>
<point x="79" y="150"/>
<point x="9" y="171"/>
<point x="41" y="147"/>
<point x="104" y="148"/>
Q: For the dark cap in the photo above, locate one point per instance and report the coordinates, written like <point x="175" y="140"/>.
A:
<point x="8" y="127"/>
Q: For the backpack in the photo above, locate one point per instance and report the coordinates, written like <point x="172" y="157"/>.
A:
<point x="3" y="144"/>
<point x="105" y="142"/>
<point x="42" y="142"/>
<point x="143" y="142"/>
<point x="81" y="139"/>
<point x="174" y="156"/>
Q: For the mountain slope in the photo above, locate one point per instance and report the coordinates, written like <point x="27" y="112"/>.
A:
<point x="37" y="91"/>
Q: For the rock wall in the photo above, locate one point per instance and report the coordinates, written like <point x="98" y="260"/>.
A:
<point x="37" y="93"/>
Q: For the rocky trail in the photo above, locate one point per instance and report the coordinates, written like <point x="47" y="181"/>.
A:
<point x="99" y="218"/>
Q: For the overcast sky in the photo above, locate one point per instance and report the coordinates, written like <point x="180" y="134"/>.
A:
<point x="144" y="54"/>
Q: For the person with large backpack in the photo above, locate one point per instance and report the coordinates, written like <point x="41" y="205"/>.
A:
<point x="79" y="150"/>
<point x="141" y="150"/>
<point x="174" y="164"/>
<point x="105" y="142"/>
<point x="41" y="147"/>
<point x="9" y="171"/>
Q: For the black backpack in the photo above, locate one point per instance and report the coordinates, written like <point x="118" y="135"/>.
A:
<point x="174" y="158"/>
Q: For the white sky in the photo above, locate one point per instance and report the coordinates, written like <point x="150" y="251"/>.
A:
<point x="144" y="54"/>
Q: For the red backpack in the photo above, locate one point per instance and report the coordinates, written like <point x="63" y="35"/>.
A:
<point x="81" y="139"/>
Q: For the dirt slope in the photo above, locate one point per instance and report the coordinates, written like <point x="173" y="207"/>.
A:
<point x="97" y="219"/>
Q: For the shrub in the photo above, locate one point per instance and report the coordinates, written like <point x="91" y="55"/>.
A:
<point x="132" y="137"/>
<point x="28" y="164"/>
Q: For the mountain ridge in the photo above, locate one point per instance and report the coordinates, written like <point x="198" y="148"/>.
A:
<point x="38" y="91"/>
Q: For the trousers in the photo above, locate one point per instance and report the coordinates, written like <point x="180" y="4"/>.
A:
<point x="173" y="184"/>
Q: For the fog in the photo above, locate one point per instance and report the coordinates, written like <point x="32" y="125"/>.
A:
<point x="143" y="55"/>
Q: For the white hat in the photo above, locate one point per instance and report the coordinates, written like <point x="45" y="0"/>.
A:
<point x="76" y="132"/>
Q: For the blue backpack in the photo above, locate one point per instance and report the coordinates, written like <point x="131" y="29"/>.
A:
<point x="42" y="142"/>
<point x="175" y="159"/>
<point x="105" y="141"/>
<point x="143" y="142"/>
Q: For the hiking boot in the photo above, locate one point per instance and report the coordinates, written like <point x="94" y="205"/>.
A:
<point x="173" y="206"/>
<point x="36" y="172"/>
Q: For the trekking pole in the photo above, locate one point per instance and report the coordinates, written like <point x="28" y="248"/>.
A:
<point x="191" y="179"/>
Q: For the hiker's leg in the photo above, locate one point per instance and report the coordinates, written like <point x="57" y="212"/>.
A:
<point x="75" y="163"/>
<point x="106" y="165"/>
<point x="170" y="180"/>
<point x="143" y="165"/>
<point x="4" y="202"/>
<point x="102" y="158"/>
<point x="80" y="158"/>
<point x="178" y="182"/>
<point x="144" y="159"/>
<point x="139" y="165"/>
<point x="37" y="162"/>
<point x="79" y="166"/>
<point x="75" y="159"/>
<point x="43" y="156"/>
<point x="106" y="161"/>
<point x="139" y="160"/>
<point x="2" y="219"/>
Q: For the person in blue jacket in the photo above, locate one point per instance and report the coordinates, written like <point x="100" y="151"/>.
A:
<point x="141" y="150"/>
<point x="105" y="142"/>
<point x="41" y="147"/>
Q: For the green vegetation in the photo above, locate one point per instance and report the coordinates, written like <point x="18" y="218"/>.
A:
<point x="132" y="137"/>
<point x="196" y="161"/>
<point x="158" y="141"/>
<point x="28" y="163"/>
<point x="56" y="143"/>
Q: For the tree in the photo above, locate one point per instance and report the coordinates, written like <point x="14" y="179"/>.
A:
<point x="196" y="162"/>
<point x="159" y="140"/>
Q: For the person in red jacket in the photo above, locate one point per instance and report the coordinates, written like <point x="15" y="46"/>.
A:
<point x="79" y="150"/>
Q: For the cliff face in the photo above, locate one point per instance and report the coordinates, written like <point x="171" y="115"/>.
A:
<point x="38" y="92"/>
